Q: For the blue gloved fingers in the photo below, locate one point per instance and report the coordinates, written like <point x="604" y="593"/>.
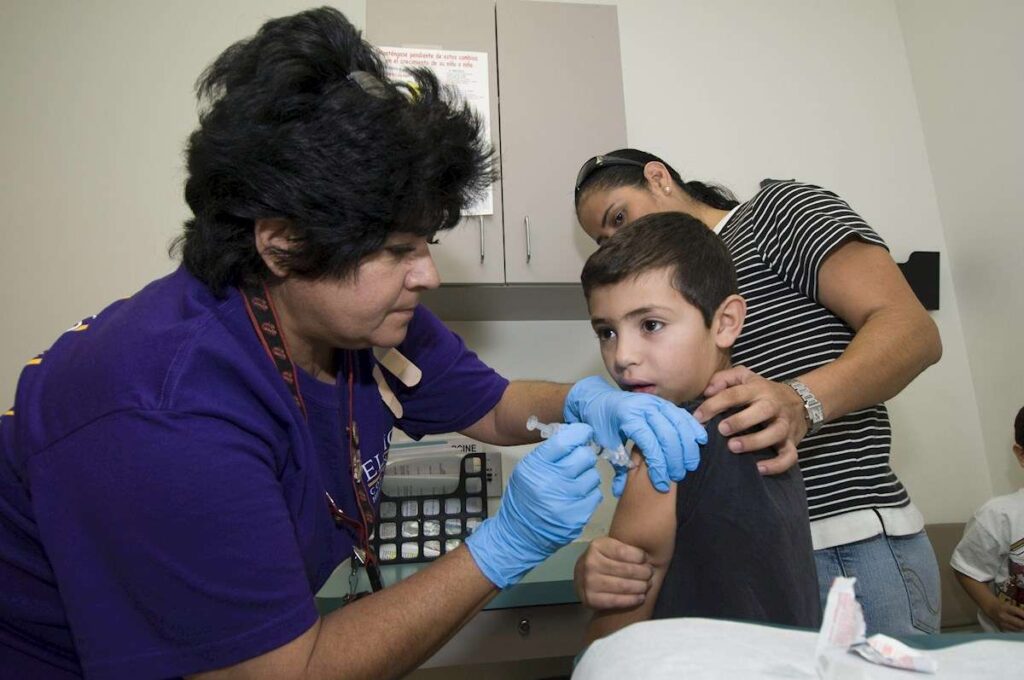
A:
<point x="589" y="503"/>
<point x="594" y="499"/>
<point x="691" y="434"/>
<point x="585" y="484"/>
<point x="647" y="442"/>
<point x="670" y="439"/>
<point x="619" y="481"/>
<point x="549" y="498"/>
<point x="582" y="393"/>
<point x="577" y="462"/>
<point x="564" y="442"/>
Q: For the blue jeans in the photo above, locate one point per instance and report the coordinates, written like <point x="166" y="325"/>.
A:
<point x="897" y="581"/>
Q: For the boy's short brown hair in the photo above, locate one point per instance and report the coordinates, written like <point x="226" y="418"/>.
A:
<point x="703" y="271"/>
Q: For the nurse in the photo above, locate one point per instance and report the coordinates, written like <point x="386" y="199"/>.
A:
<point x="180" y="473"/>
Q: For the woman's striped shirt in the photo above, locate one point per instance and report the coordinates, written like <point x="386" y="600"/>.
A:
<point x="779" y="240"/>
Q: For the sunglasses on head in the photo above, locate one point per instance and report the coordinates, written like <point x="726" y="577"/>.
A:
<point x="598" y="162"/>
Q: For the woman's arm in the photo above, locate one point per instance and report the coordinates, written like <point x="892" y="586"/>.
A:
<point x="644" y="518"/>
<point x="505" y="424"/>
<point x="396" y="629"/>
<point x="895" y="340"/>
<point x="549" y="498"/>
<point x="895" y="337"/>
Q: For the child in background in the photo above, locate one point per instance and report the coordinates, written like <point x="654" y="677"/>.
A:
<point x="989" y="561"/>
<point x="726" y="542"/>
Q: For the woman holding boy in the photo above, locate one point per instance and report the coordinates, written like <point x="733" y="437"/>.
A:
<point x="833" y="330"/>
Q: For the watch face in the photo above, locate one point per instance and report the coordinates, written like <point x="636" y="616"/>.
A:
<point x="816" y="415"/>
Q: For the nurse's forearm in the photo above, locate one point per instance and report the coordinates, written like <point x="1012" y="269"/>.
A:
<point x="400" y="627"/>
<point x="385" y="635"/>
<point x="505" y="425"/>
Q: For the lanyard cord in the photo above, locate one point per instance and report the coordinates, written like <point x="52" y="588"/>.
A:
<point x="264" y="320"/>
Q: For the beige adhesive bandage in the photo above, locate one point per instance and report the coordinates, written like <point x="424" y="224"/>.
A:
<point x="386" y="394"/>
<point x="399" y="366"/>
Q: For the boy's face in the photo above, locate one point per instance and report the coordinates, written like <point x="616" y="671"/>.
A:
<point x="652" y="340"/>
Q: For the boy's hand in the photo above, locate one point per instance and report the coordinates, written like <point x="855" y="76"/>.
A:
<point x="669" y="436"/>
<point x="612" y="575"/>
<point x="1007" y="616"/>
<point x="764" y="402"/>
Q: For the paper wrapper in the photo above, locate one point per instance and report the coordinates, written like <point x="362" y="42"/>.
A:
<point x="843" y="631"/>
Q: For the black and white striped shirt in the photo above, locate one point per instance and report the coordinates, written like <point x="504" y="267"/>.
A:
<point x="779" y="240"/>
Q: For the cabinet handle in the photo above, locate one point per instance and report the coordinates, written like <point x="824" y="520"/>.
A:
<point x="481" y="218"/>
<point x="529" y="251"/>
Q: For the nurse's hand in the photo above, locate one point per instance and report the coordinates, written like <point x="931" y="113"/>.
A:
<point x="668" y="436"/>
<point x="612" y="575"/>
<point x="549" y="498"/>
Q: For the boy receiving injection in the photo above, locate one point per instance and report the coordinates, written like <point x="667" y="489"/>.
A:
<point x="989" y="561"/>
<point x="726" y="542"/>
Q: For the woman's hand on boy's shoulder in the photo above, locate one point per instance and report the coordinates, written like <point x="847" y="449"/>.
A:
<point x="772" y="405"/>
<point x="612" y="575"/>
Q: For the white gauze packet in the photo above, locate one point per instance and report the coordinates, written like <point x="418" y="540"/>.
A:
<point x="843" y="631"/>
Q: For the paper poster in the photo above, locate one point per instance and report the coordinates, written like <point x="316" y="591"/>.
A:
<point x="465" y="71"/>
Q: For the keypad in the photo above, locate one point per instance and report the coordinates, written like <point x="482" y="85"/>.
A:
<point x="422" y="528"/>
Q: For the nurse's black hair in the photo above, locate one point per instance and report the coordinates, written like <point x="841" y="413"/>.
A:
<point x="611" y="176"/>
<point x="702" y="269"/>
<point x="301" y="122"/>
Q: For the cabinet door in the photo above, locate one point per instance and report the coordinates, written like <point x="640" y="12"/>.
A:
<point x="472" y="252"/>
<point x="561" y="102"/>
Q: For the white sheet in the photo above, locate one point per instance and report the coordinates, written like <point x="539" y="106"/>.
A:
<point x="696" y="649"/>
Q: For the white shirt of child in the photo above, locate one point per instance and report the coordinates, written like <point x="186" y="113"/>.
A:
<point x="992" y="550"/>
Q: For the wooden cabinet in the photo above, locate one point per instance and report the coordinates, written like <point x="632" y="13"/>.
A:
<point x="556" y="99"/>
<point x="561" y="102"/>
<point x="474" y="251"/>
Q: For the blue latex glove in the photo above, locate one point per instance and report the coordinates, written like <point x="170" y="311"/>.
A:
<point x="668" y="436"/>
<point x="550" y="496"/>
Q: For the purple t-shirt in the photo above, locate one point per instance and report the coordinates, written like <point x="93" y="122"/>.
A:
<point x="162" y="506"/>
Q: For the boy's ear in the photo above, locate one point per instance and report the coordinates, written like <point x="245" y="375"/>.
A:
<point x="273" y="237"/>
<point x="728" y="321"/>
<point x="1018" y="451"/>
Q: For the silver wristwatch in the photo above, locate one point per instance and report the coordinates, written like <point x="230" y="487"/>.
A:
<point x="813" y="409"/>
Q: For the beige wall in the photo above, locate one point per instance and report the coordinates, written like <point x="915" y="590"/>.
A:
<point x="967" y="61"/>
<point x="98" y="102"/>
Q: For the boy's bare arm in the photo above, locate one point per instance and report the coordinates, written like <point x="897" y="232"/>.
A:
<point x="1007" y="616"/>
<point x="644" y="518"/>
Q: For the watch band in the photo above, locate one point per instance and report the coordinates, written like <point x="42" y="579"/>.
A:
<point x="813" y="410"/>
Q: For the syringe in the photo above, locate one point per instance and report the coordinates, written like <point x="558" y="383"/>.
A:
<point x="615" y="457"/>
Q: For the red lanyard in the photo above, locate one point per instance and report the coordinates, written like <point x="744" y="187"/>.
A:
<point x="264" y="321"/>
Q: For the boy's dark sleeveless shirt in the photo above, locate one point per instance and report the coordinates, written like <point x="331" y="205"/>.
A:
<point x="743" y="542"/>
